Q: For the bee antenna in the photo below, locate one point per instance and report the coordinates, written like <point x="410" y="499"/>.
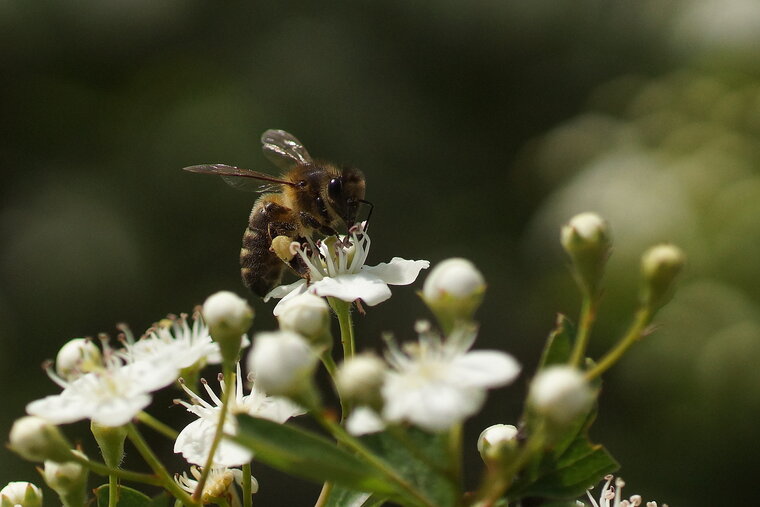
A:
<point x="371" y="207"/>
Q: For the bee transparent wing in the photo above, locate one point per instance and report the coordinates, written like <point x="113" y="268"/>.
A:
<point x="237" y="177"/>
<point x="284" y="150"/>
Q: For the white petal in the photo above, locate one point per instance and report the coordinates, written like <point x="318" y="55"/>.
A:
<point x="365" y="286"/>
<point x="398" y="271"/>
<point x="194" y="443"/>
<point x="299" y="288"/>
<point x="434" y="406"/>
<point x="57" y="409"/>
<point x="119" y="411"/>
<point x="364" y="420"/>
<point x="484" y="368"/>
<point x="283" y="290"/>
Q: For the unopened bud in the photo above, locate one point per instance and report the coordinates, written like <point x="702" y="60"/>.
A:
<point x="309" y="316"/>
<point x="69" y="480"/>
<point x="659" y="267"/>
<point x="35" y="439"/>
<point x="360" y="378"/>
<point x="20" y="493"/>
<point x="282" y="363"/>
<point x="560" y="393"/>
<point x="453" y="291"/>
<point x="228" y="317"/>
<point x="77" y="357"/>
<point x="496" y="441"/>
<point x="586" y="238"/>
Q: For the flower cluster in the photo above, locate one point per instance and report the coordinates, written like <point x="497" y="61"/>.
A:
<point x="398" y="431"/>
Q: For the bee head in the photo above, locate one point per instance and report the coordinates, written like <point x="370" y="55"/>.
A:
<point x="344" y="194"/>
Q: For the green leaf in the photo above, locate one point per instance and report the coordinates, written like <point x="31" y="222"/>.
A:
<point x="419" y="457"/>
<point x="305" y="454"/>
<point x="129" y="497"/>
<point x="559" y="343"/>
<point x="342" y="497"/>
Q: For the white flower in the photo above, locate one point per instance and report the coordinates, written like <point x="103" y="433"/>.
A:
<point x="111" y="396"/>
<point x="337" y="269"/>
<point x="218" y="484"/>
<point x="612" y="496"/>
<point x="364" y="420"/>
<point x="455" y="277"/>
<point x="436" y="384"/>
<point x="173" y="340"/>
<point x="21" y="494"/>
<point x="77" y="357"/>
<point x="282" y="361"/>
<point x="561" y="393"/>
<point x="194" y="441"/>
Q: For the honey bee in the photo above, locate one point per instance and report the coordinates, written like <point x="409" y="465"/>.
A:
<point x="310" y="196"/>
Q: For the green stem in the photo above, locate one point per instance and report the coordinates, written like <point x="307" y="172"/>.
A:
<point x="381" y="466"/>
<point x="158" y="468"/>
<point x="585" y="323"/>
<point x="229" y="385"/>
<point x="126" y="475"/>
<point x="635" y="332"/>
<point x="113" y="491"/>
<point x="247" y="495"/>
<point x="343" y="311"/>
<point x="324" y="495"/>
<point x="455" y="453"/>
<point x="157" y="425"/>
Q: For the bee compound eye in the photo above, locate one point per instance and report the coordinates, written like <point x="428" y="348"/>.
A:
<point x="335" y="188"/>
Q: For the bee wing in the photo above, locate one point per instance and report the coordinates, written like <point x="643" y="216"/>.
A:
<point x="233" y="176"/>
<point x="284" y="150"/>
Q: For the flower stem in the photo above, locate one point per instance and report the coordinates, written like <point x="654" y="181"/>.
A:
<point x="229" y="385"/>
<point x="343" y="310"/>
<point x="381" y="466"/>
<point x="113" y="491"/>
<point x="455" y="453"/>
<point x="158" y="468"/>
<point x="247" y="495"/>
<point x="102" y="469"/>
<point x="586" y="322"/>
<point x="157" y="425"/>
<point x="635" y="332"/>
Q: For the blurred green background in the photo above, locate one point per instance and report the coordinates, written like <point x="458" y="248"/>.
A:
<point x="481" y="127"/>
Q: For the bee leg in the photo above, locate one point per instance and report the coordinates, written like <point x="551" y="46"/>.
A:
<point x="312" y="222"/>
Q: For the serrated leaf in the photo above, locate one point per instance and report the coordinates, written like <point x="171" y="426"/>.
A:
<point x="420" y="458"/>
<point x="128" y="497"/>
<point x="559" y="343"/>
<point x="305" y="454"/>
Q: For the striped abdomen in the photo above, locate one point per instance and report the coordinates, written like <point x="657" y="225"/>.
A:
<point x="260" y="268"/>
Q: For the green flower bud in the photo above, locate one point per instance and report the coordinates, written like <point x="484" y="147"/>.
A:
<point x="453" y="291"/>
<point x="309" y="316"/>
<point x="560" y="394"/>
<point x="659" y="267"/>
<point x="360" y="378"/>
<point x="69" y="480"/>
<point x="228" y="317"/>
<point x="497" y="441"/>
<point x="586" y="238"/>
<point x="35" y="439"/>
<point x="25" y="494"/>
